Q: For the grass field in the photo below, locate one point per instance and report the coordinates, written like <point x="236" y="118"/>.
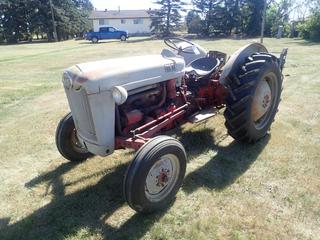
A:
<point x="269" y="190"/>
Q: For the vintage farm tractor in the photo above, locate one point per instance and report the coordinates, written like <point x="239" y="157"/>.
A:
<point x="127" y="102"/>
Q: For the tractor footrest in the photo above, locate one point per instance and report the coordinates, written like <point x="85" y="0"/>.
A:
<point x="203" y="115"/>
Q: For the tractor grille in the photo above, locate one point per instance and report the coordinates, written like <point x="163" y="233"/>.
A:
<point x="81" y="112"/>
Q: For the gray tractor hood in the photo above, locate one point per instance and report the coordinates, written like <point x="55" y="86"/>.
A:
<point x="129" y="72"/>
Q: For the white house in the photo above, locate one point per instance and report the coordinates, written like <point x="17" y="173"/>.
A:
<point x="136" y="22"/>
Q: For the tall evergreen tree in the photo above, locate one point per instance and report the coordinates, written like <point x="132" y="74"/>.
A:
<point x="220" y="16"/>
<point x="205" y="8"/>
<point x="168" y="17"/>
<point x="194" y="22"/>
<point x="251" y="17"/>
<point x="13" y="19"/>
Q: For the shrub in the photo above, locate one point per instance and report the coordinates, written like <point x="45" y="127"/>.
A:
<point x="310" y="29"/>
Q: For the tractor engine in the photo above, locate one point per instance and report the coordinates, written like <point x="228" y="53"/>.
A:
<point x="144" y="105"/>
<point x="150" y="102"/>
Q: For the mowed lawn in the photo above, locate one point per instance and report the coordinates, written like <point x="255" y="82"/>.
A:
<point x="269" y="190"/>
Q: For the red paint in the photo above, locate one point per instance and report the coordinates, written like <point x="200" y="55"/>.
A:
<point x="133" y="117"/>
<point x="150" y="129"/>
<point x="122" y="143"/>
<point x="213" y="94"/>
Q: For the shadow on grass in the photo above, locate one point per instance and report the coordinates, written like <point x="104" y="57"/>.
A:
<point x="137" y="40"/>
<point x="303" y="42"/>
<point x="129" y="40"/>
<point x="87" y="208"/>
<point x="225" y="167"/>
<point x="100" y="42"/>
<point x="26" y="42"/>
<point x="90" y="207"/>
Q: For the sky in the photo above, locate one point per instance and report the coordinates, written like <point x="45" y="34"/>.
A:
<point x="124" y="4"/>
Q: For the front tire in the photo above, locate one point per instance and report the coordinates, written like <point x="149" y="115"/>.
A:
<point x="155" y="174"/>
<point x="67" y="141"/>
<point x="254" y="96"/>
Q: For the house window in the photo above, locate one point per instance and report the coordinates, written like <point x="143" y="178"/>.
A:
<point x="123" y="21"/>
<point x="103" y="21"/>
<point x="138" y="21"/>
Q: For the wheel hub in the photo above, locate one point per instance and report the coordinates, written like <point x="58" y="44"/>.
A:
<point x="161" y="177"/>
<point x="261" y="101"/>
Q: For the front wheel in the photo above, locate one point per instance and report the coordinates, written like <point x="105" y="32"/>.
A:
<point x="123" y="38"/>
<point x="68" y="143"/>
<point x="155" y="174"/>
<point x="254" y="96"/>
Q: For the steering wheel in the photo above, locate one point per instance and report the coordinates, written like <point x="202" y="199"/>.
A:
<point x="172" y="43"/>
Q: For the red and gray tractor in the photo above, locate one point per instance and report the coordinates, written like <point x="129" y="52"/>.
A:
<point x="131" y="102"/>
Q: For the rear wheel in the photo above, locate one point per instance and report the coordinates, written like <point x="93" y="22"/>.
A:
<point x="155" y="174"/>
<point x="95" y="40"/>
<point x="254" y="96"/>
<point x="67" y="141"/>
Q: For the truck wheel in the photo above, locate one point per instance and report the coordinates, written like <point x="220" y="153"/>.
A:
<point x="155" y="174"/>
<point x="123" y="38"/>
<point x="254" y="96"/>
<point x="95" y="40"/>
<point x="67" y="141"/>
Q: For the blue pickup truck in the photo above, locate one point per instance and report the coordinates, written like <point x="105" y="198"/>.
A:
<point x="106" y="33"/>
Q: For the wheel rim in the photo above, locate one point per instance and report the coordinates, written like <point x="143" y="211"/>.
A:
<point x="264" y="101"/>
<point x="123" y="38"/>
<point x="162" y="178"/>
<point x="75" y="143"/>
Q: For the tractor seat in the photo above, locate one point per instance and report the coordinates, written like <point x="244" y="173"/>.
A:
<point x="203" y="66"/>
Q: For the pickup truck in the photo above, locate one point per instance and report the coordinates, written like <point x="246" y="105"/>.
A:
<point x="106" y="33"/>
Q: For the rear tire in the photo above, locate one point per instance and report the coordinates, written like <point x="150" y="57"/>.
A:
<point x="67" y="141"/>
<point x="155" y="174"/>
<point x="254" y="96"/>
<point x="95" y="40"/>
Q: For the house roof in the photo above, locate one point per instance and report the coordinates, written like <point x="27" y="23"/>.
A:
<point x="116" y="14"/>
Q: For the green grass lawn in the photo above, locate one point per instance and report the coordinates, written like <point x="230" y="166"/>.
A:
<point x="269" y="190"/>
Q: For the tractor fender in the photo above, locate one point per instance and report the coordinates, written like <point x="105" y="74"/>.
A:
<point x="238" y="58"/>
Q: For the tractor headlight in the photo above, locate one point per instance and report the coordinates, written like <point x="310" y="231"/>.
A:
<point x="119" y="94"/>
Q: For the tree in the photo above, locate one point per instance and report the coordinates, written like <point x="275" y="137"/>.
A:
<point x="194" y="22"/>
<point x="310" y="29"/>
<point x="21" y="19"/>
<point x="168" y="17"/>
<point x="220" y="16"/>
<point x="13" y="19"/>
<point x="278" y="13"/>
<point x="205" y="8"/>
<point x="251" y="17"/>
